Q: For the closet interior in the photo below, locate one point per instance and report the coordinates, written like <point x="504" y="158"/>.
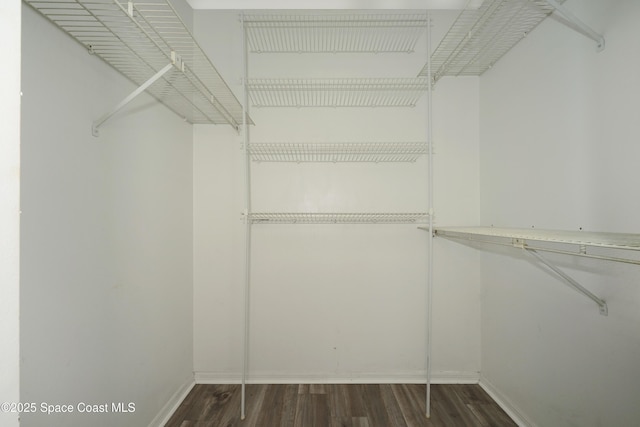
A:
<point x="301" y="75"/>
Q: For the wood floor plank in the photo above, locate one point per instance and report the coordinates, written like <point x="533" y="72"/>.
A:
<point x="482" y="420"/>
<point x="411" y="410"/>
<point x="312" y="411"/>
<point x="317" y="389"/>
<point x="289" y="406"/>
<point x="480" y="404"/>
<point x="355" y="400"/>
<point x="495" y="415"/>
<point x="360" y="422"/>
<point x="255" y="394"/>
<point x="341" y="422"/>
<point x="303" y="410"/>
<point x="218" y="399"/>
<point x="229" y="414"/>
<point x="455" y="407"/>
<point x="339" y="405"/>
<point x="377" y="414"/>
<point x="273" y="406"/>
<point x="181" y="413"/>
<point x="472" y="393"/>
<point x="393" y="409"/>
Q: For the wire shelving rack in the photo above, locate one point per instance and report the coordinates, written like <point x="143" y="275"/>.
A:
<point x="325" y="33"/>
<point x="479" y="37"/>
<point x="375" y="152"/>
<point x="347" y="92"/>
<point x="622" y="241"/>
<point x="337" y="218"/>
<point x="140" y="38"/>
<point x="534" y="241"/>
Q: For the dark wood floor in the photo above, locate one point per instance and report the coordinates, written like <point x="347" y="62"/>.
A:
<point x="339" y="405"/>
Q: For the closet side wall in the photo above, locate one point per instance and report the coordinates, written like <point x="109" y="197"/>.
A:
<point x="559" y="150"/>
<point x="106" y="290"/>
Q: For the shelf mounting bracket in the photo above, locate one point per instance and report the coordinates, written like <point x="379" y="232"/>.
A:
<point x="567" y="279"/>
<point x="95" y="128"/>
<point x="576" y="24"/>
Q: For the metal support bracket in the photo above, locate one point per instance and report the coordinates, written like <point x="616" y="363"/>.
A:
<point x="567" y="279"/>
<point x="95" y="128"/>
<point x="575" y="23"/>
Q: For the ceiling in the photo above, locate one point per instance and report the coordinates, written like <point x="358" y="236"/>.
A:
<point x="332" y="4"/>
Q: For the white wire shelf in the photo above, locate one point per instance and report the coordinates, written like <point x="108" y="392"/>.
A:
<point x="554" y="241"/>
<point x="362" y="33"/>
<point x="375" y="152"/>
<point x="138" y="39"/>
<point x="348" y="92"/>
<point x="480" y="37"/>
<point x="582" y="238"/>
<point x="337" y="218"/>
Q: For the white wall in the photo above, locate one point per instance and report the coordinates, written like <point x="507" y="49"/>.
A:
<point x="333" y="302"/>
<point x="106" y="292"/>
<point x="559" y="149"/>
<point x="9" y="207"/>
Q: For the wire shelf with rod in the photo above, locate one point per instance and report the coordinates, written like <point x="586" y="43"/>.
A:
<point x="139" y="39"/>
<point x="623" y="241"/>
<point x="324" y="33"/>
<point x="479" y="37"/>
<point x="348" y="92"/>
<point x="375" y="152"/>
<point x="337" y="218"/>
<point x="534" y="241"/>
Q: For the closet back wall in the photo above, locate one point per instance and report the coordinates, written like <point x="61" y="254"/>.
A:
<point x="106" y="248"/>
<point x="333" y="303"/>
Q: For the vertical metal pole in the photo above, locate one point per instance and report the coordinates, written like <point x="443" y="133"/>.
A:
<point x="247" y="171"/>
<point x="430" y="201"/>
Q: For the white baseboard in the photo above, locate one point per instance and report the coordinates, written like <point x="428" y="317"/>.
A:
<point x="443" y="377"/>
<point x="506" y="404"/>
<point x="172" y="404"/>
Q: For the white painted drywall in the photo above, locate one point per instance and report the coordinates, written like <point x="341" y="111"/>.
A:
<point x="559" y="149"/>
<point x="106" y="292"/>
<point x="333" y="302"/>
<point x="9" y="208"/>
